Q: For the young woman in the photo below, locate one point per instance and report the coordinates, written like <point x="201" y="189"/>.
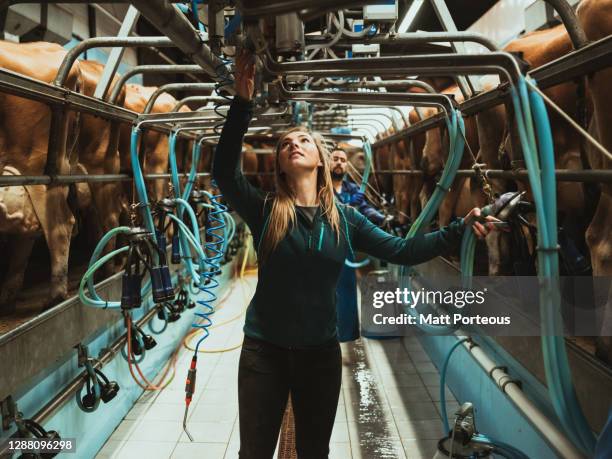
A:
<point x="302" y="236"/>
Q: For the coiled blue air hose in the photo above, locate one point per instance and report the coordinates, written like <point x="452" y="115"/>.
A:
<point x="216" y="222"/>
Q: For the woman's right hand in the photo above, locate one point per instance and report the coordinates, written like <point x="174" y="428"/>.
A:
<point x="245" y="75"/>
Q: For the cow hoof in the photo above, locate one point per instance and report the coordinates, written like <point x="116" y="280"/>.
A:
<point x="54" y="301"/>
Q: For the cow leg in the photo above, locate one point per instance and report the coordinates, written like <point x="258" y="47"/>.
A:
<point x="599" y="242"/>
<point x="415" y="206"/>
<point x="447" y="208"/>
<point x="58" y="251"/>
<point x="22" y="248"/>
<point x="58" y="231"/>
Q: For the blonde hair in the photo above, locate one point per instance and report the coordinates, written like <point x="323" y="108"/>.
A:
<point x="283" y="216"/>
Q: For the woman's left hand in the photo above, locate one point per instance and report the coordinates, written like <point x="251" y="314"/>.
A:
<point x="482" y="225"/>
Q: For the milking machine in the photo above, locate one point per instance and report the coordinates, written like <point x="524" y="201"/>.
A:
<point x="529" y="106"/>
<point x="29" y="427"/>
<point x="464" y="441"/>
<point x="530" y="111"/>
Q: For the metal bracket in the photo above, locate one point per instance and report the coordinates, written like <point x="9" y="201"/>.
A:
<point x="129" y="22"/>
<point x="83" y="354"/>
<point x="9" y="411"/>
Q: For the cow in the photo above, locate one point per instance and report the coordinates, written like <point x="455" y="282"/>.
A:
<point x="403" y="184"/>
<point x="596" y="19"/>
<point x="98" y="153"/>
<point x="28" y="212"/>
<point x="383" y="160"/>
<point x="154" y="143"/>
<point x="464" y="193"/>
<point x="536" y="49"/>
<point x="410" y="191"/>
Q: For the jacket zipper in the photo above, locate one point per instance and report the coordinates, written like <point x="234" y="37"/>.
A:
<point x="321" y="237"/>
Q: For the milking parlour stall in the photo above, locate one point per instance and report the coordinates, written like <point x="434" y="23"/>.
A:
<point x="306" y="229"/>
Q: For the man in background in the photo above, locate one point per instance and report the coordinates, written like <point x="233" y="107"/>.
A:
<point x="349" y="193"/>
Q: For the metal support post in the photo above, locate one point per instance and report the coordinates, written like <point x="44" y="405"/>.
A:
<point x="114" y="58"/>
<point x="469" y="86"/>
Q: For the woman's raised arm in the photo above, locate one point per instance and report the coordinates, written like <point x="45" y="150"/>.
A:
<point x="372" y="240"/>
<point x="236" y="189"/>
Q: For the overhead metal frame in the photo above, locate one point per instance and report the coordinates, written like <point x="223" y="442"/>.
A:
<point x="114" y="58"/>
<point x="590" y="58"/>
<point x="333" y="121"/>
<point x="395" y="84"/>
<point x="151" y="69"/>
<point x="172" y="23"/>
<point x="108" y="42"/>
<point x="198" y="99"/>
<point x="500" y="63"/>
<point x="171" y="87"/>
<point x="376" y="99"/>
<point x="418" y="38"/>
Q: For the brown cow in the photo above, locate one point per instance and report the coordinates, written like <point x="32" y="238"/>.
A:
<point x="464" y="193"/>
<point x="383" y="160"/>
<point x="410" y="149"/>
<point x="98" y="143"/>
<point x="538" y="48"/>
<point x="490" y="125"/>
<point x="27" y="212"/>
<point x="596" y="19"/>
<point x="401" y="183"/>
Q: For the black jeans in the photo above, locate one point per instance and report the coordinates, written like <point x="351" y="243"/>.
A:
<point x="266" y="375"/>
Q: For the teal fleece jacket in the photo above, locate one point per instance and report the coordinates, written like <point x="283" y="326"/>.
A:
<point x="294" y="305"/>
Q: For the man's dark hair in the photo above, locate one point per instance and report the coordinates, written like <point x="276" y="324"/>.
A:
<point x="339" y="148"/>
